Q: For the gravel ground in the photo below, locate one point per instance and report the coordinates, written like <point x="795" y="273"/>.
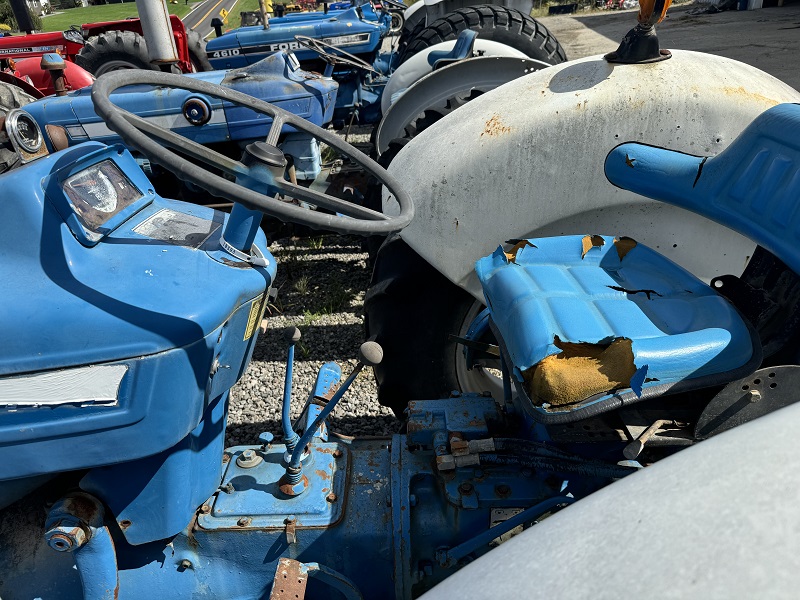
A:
<point x="321" y="284"/>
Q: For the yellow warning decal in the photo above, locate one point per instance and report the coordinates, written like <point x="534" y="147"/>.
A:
<point x="257" y="307"/>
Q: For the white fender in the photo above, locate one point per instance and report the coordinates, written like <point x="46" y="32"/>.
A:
<point x="526" y="160"/>
<point x="416" y="67"/>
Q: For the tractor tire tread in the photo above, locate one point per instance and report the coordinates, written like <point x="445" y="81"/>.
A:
<point x="114" y="46"/>
<point x="490" y="21"/>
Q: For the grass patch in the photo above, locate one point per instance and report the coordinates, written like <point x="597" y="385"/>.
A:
<point x="107" y="12"/>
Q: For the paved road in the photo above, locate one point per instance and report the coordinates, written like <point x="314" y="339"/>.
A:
<point x="200" y="18"/>
<point x="768" y="39"/>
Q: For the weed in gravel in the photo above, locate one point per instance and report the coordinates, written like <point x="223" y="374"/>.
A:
<point x="316" y="243"/>
<point x="301" y="286"/>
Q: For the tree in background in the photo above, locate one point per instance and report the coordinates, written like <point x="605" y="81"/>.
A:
<point x="7" y="17"/>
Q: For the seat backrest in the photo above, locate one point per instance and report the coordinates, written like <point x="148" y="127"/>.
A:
<point x="463" y="48"/>
<point x="753" y="186"/>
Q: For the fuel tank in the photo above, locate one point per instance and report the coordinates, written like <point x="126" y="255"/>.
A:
<point x="526" y="160"/>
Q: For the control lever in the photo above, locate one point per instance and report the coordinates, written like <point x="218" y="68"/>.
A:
<point x="291" y="335"/>
<point x="634" y="449"/>
<point x="293" y="482"/>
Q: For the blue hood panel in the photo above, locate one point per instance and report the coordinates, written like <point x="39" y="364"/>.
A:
<point x="276" y="79"/>
<point x="247" y="45"/>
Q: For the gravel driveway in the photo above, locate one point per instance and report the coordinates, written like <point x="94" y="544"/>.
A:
<point x="321" y="283"/>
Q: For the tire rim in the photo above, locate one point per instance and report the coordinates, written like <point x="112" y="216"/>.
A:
<point x="485" y="375"/>
<point x="115" y="65"/>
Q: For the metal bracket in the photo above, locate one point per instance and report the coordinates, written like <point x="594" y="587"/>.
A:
<point x="290" y="581"/>
<point x="291" y="533"/>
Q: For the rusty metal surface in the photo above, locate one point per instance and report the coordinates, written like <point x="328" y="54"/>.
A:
<point x="290" y="581"/>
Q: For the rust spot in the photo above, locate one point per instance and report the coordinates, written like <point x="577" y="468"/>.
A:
<point x="82" y="507"/>
<point x="629" y="161"/>
<point x="743" y="94"/>
<point x="226" y="458"/>
<point x="502" y="490"/>
<point x="286" y="487"/>
<point x="495" y="127"/>
<point x="413" y="427"/>
<point x="124" y="524"/>
<point x="322" y="474"/>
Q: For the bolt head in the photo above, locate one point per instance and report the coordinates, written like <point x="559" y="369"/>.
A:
<point x="205" y="509"/>
<point x="337" y="454"/>
<point x="466" y="488"/>
<point x="331" y="498"/>
<point x="65" y="537"/>
<point x="244" y="521"/>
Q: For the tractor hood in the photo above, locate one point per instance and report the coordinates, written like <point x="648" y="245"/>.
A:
<point x="122" y="319"/>
<point x="277" y="79"/>
<point x="246" y="45"/>
<point x="526" y="160"/>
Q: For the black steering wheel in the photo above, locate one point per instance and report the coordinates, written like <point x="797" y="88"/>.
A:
<point x="148" y="138"/>
<point x="333" y="55"/>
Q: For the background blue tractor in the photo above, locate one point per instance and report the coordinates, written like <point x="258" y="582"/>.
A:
<point x="352" y="46"/>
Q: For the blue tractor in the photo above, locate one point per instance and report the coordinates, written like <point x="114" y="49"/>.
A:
<point x="128" y="317"/>
<point x="224" y="127"/>
<point x="352" y="46"/>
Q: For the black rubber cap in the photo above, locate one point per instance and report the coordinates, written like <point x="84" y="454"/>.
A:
<point x="291" y="335"/>
<point x="370" y="353"/>
<point x="266" y="153"/>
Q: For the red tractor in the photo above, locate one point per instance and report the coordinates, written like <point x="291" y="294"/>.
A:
<point x="98" y="48"/>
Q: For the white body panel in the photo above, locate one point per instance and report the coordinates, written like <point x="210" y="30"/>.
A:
<point x="157" y="31"/>
<point x="526" y="160"/>
<point x="416" y="67"/>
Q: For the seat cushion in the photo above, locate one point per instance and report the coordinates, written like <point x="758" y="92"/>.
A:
<point x="611" y="314"/>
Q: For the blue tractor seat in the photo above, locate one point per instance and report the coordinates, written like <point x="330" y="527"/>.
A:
<point x="591" y="323"/>
<point x="463" y="48"/>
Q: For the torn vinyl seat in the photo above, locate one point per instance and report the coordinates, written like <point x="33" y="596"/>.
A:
<point x="591" y="323"/>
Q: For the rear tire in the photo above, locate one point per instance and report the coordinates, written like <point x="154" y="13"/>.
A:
<point x="114" y="50"/>
<point x="197" y="51"/>
<point x="411" y="309"/>
<point x="497" y="23"/>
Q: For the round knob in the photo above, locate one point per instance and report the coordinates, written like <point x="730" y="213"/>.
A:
<point x="370" y="353"/>
<point x="291" y="335"/>
<point x="265" y="438"/>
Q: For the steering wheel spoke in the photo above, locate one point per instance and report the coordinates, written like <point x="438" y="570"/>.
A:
<point x="151" y="139"/>
<point x="355" y="211"/>
<point x="187" y="146"/>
